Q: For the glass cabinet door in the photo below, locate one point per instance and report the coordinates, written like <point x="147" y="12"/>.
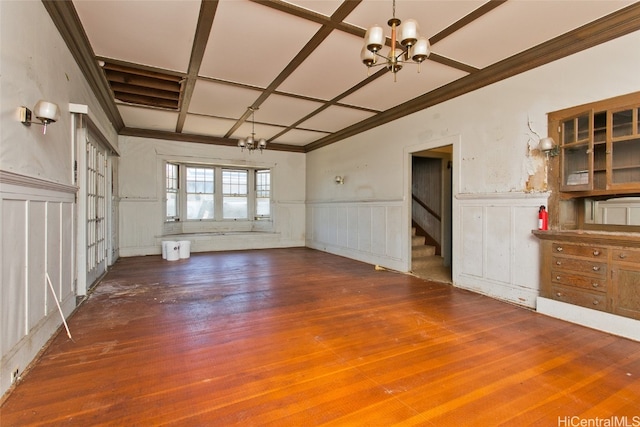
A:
<point x="577" y="153"/>
<point x="625" y="148"/>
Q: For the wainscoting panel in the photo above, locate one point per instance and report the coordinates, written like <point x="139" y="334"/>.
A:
<point x="472" y="260"/>
<point x="37" y="290"/>
<point x="498" y="225"/>
<point x="54" y="267"/>
<point x="14" y="277"/>
<point x="498" y="255"/>
<point x="371" y="232"/>
<point x="36" y="224"/>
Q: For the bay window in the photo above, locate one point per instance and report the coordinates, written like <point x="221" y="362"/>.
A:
<point x="215" y="193"/>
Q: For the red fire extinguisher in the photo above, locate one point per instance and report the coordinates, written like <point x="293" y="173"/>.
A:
<point x="543" y="218"/>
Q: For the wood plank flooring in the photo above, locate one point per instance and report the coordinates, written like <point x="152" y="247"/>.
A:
<point x="297" y="337"/>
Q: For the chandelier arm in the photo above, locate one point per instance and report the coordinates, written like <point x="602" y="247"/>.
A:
<point x="378" y="65"/>
<point x="402" y="53"/>
<point x="386" y="58"/>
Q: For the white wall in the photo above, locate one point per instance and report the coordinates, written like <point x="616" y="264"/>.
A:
<point x="141" y="187"/>
<point x="37" y="192"/>
<point x="499" y="179"/>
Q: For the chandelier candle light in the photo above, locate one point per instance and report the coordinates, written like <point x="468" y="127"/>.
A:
<point x="250" y="142"/>
<point x="414" y="47"/>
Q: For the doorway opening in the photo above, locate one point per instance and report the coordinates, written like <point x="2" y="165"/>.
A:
<point x="431" y="213"/>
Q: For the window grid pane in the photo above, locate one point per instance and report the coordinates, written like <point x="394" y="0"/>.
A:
<point x="235" y="192"/>
<point x="263" y="183"/>
<point x="234" y="182"/>
<point x="200" y="180"/>
<point x="171" y="176"/>
<point x="263" y="193"/>
<point x="200" y="193"/>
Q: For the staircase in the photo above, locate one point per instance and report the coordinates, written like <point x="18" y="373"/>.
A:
<point x="424" y="261"/>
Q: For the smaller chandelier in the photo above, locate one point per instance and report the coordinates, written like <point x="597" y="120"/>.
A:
<point x="414" y="48"/>
<point x="250" y="142"/>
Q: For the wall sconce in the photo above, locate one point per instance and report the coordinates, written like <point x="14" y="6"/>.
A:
<point x="339" y="179"/>
<point x="548" y="146"/>
<point x="45" y="111"/>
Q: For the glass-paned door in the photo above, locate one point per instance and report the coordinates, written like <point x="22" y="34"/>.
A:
<point x="96" y="202"/>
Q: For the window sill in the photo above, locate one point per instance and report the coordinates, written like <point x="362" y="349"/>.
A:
<point x="174" y="236"/>
<point x="218" y="227"/>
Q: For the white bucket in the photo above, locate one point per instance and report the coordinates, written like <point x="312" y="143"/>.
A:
<point x="185" y="248"/>
<point x="173" y="251"/>
<point x="164" y="250"/>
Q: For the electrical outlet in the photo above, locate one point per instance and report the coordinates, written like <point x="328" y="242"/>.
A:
<point x="15" y="375"/>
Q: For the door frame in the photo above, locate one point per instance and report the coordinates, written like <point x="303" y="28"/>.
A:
<point x="455" y="142"/>
<point x="83" y="127"/>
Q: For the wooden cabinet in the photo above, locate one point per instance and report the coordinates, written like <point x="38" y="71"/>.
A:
<point x="590" y="256"/>
<point x="625" y="282"/>
<point x="593" y="270"/>
<point x="600" y="149"/>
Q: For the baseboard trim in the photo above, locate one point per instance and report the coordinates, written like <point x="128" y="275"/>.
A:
<point x="606" y="322"/>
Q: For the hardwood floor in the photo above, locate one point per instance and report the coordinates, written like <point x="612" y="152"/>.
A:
<point x="297" y="337"/>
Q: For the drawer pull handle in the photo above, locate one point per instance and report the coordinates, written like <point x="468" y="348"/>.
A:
<point x="595" y="302"/>
<point x="559" y="294"/>
<point x="558" y="263"/>
<point x="558" y="278"/>
<point x="559" y="249"/>
<point x="596" y="252"/>
<point x="595" y="285"/>
<point x="623" y="256"/>
<point x="596" y="268"/>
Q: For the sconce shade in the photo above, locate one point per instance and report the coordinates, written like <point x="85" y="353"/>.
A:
<point x="546" y="144"/>
<point x="47" y="112"/>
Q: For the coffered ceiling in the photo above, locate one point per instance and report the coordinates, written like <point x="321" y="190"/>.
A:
<point x="190" y="70"/>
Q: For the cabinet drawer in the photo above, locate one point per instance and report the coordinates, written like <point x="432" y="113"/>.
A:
<point x="578" y="250"/>
<point x="580" y="265"/>
<point x="626" y="255"/>
<point x="597" y="284"/>
<point x="577" y="297"/>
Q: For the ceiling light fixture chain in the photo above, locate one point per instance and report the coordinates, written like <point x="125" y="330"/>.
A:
<point x="250" y="142"/>
<point x="414" y="48"/>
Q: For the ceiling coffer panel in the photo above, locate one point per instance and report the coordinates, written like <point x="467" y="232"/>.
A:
<point x="190" y="69"/>
<point x="138" y="86"/>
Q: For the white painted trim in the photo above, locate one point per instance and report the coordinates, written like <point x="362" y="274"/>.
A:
<point x="605" y="322"/>
<point x="80" y="135"/>
<point x="9" y="181"/>
<point x="500" y="196"/>
<point x="85" y="115"/>
<point x="502" y="291"/>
